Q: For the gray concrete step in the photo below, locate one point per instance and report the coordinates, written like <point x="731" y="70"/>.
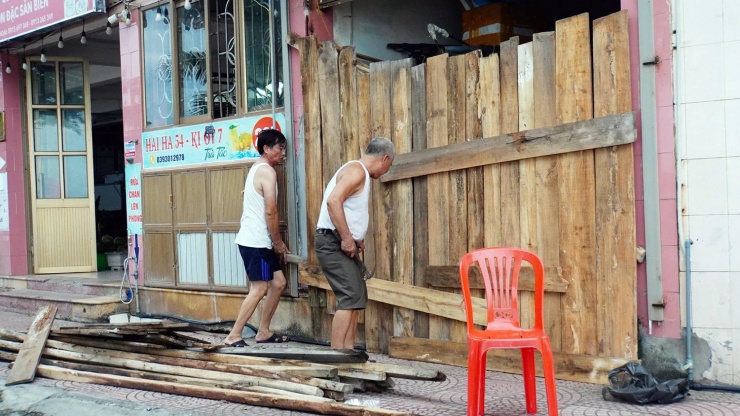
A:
<point x="70" y="306"/>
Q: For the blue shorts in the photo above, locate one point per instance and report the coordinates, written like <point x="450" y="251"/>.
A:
<point x="260" y="263"/>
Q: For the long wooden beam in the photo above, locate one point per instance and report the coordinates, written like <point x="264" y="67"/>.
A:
<point x="449" y="277"/>
<point x="30" y="352"/>
<point x="565" y="138"/>
<point x="573" y="367"/>
<point x="314" y="405"/>
<point x="435" y="302"/>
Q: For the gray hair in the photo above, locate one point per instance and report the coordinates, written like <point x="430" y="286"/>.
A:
<point x="381" y="146"/>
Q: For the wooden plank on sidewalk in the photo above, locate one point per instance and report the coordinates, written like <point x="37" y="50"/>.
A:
<point x="574" y="367"/>
<point x="29" y="355"/>
<point x="576" y="187"/>
<point x="616" y="272"/>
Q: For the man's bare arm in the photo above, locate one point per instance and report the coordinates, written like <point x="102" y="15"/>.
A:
<point x="267" y="180"/>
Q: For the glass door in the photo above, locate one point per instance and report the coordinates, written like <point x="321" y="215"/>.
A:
<point x="60" y="155"/>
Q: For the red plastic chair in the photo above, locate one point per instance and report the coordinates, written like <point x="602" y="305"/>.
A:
<point x="500" y="270"/>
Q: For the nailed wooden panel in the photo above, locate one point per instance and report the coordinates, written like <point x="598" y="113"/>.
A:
<point x="228" y="267"/>
<point x="308" y="48"/>
<point x="156" y="199"/>
<point x="348" y="97"/>
<point x="420" y="226"/>
<point x="448" y="277"/>
<point x="546" y="186"/>
<point x="510" y="228"/>
<point x="576" y="187"/>
<point x="401" y="233"/>
<point x="159" y="252"/>
<point x="332" y="145"/>
<point x="226" y="203"/>
<point x="437" y="185"/>
<point x="65" y="237"/>
<point x="615" y="195"/>
<point x="489" y="110"/>
<point x="474" y="131"/>
<point x="190" y="198"/>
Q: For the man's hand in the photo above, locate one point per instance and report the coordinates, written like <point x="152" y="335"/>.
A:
<point x="282" y="251"/>
<point x="349" y="247"/>
<point x="360" y="246"/>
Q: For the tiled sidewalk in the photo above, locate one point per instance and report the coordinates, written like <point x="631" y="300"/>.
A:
<point x="505" y="395"/>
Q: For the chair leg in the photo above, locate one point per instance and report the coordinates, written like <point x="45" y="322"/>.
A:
<point x="482" y="383"/>
<point x="528" y="371"/>
<point x="548" y="367"/>
<point x="473" y="379"/>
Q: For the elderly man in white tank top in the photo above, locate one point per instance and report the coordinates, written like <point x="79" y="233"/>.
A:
<point x="340" y="234"/>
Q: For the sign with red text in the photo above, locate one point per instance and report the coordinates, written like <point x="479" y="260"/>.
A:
<point x="133" y="198"/>
<point x="19" y="17"/>
<point x="220" y="141"/>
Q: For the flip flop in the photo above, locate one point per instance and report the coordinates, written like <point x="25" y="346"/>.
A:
<point x="238" y="344"/>
<point x="275" y="339"/>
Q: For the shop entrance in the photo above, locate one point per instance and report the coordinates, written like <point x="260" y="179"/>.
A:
<point x="61" y="166"/>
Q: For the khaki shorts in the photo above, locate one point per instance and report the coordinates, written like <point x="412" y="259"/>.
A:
<point x="342" y="272"/>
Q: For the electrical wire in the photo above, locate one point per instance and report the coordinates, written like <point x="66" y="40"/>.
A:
<point x="129" y="291"/>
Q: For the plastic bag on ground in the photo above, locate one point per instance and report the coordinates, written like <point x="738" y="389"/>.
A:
<point x="633" y="383"/>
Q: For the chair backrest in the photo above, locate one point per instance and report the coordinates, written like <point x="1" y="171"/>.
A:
<point x="499" y="268"/>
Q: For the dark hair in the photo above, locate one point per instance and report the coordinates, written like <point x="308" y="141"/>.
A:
<point x="269" y="137"/>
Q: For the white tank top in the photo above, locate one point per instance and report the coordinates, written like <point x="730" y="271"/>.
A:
<point x="253" y="225"/>
<point x="355" y="207"/>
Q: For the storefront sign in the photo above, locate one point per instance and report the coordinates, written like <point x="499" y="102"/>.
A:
<point x="220" y="141"/>
<point x="133" y="198"/>
<point x="4" y="215"/>
<point x="18" y="17"/>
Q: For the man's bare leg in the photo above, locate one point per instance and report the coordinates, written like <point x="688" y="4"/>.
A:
<point x="256" y="293"/>
<point x="274" y="290"/>
<point x="340" y="326"/>
<point x="349" y="341"/>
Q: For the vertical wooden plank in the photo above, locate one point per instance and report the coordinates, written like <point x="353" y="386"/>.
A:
<point x="473" y="131"/>
<point x="332" y="145"/>
<point x="437" y="184"/>
<point x="576" y="187"/>
<point x="527" y="198"/>
<point x="420" y="218"/>
<point x="456" y="197"/>
<point x="615" y="195"/>
<point x="348" y="103"/>
<point x="489" y="111"/>
<point x="24" y="368"/>
<point x="510" y="227"/>
<point x="402" y="223"/>
<point x="380" y="99"/>
<point x="546" y="185"/>
<point x="308" y="47"/>
<point x="364" y="135"/>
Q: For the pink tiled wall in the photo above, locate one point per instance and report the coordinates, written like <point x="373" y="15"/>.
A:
<point x="13" y="243"/>
<point x="671" y="326"/>
<point x="131" y="96"/>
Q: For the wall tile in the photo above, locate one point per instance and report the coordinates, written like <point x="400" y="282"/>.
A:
<point x="732" y="63"/>
<point x="667" y="175"/>
<point x="735" y="356"/>
<point x="711" y="249"/>
<point x="666" y="139"/>
<point x="668" y="222"/>
<point x="707" y="186"/>
<point x="702" y="22"/>
<point x="705" y="130"/>
<point x="734" y="248"/>
<point x="640" y="221"/>
<point x="733" y="185"/>
<point x="703" y="76"/>
<point x="711" y="288"/>
<point x="732" y="127"/>
<point x="639" y="183"/>
<point x="731" y="16"/>
<point x="720" y="342"/>
<point x="669" y="263"/>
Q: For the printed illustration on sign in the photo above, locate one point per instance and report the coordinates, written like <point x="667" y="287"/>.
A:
<point x="133" y="198"/>
<point x="220" y="141"/>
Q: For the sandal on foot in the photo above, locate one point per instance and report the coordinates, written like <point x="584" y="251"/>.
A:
<point x="238" y="344"/>
<point x="275" y="339"/>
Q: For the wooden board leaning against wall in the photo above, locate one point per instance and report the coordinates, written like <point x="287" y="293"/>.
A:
<point x="497" y="150"/>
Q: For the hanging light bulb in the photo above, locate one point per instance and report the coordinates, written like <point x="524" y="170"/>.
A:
<point x="108" y="29"/>
<point x="158" y="17"/>
<point x="188" y="5"/>
<point x="166" y="15"/>
<point x="127" y="17"/>
<point x="83" y="38"/>
<point x="7" y="68"/>
<point x="43" y="55"/>
<point x="25" y="65"/>
<point x="60" y="44"/>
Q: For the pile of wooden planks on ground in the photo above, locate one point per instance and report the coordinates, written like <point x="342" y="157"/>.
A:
<point x="163" y="357"/>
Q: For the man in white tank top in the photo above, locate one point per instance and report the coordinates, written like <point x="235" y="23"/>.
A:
<point x="259" y="242"/>
<point x="340" y="235"/>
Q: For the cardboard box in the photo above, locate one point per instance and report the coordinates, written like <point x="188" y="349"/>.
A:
<point x="497" y="22"/>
